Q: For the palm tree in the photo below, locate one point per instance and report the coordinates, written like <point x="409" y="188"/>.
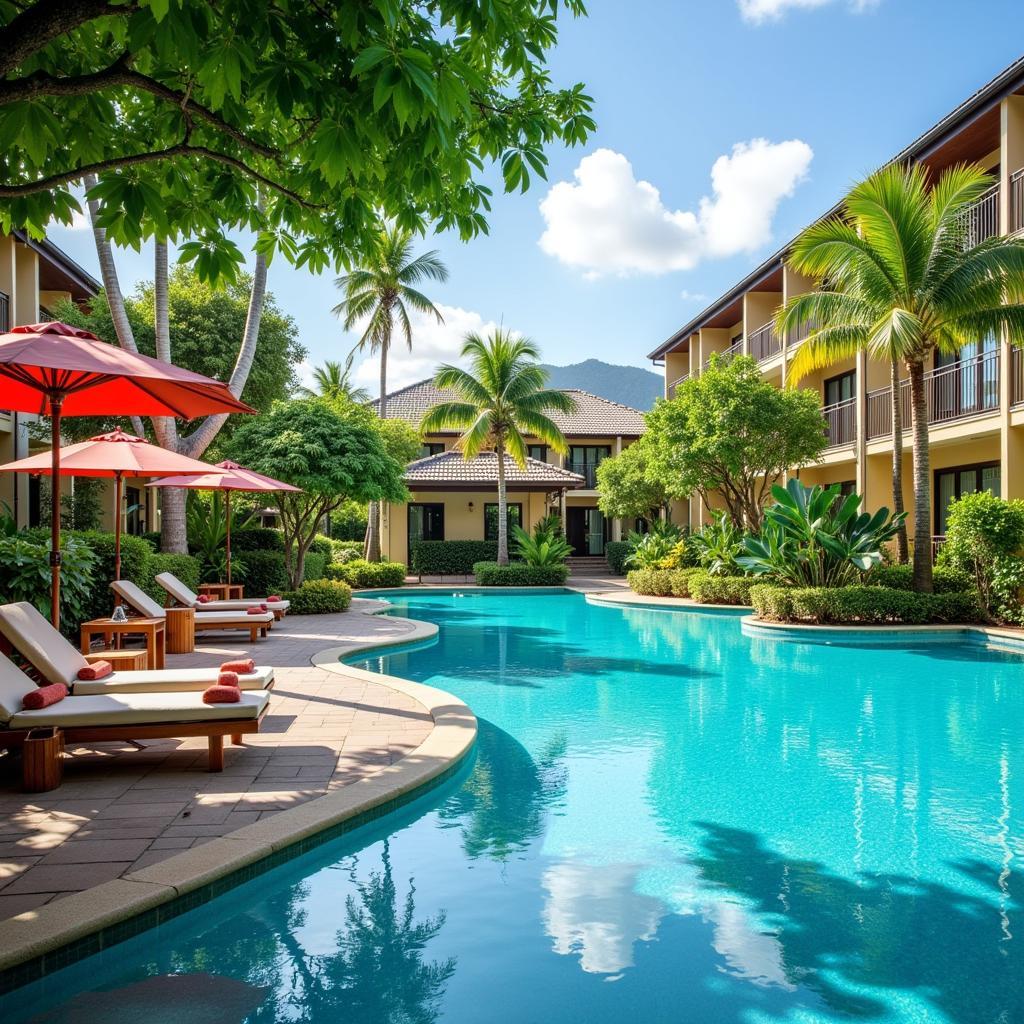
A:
<point x="334" y="381"/>
<point x="900" y="281"/>
<point x="502" y="397"/>
<point x="381" y="293"/>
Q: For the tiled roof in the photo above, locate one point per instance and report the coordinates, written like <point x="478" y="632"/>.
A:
<point x="451" y="468"/>
<point x="594" y="416"/>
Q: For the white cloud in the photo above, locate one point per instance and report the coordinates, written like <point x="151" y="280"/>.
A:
<point x="609" y="222"/>
<point x="687" y="296"/>
<point x="757" y="12"/>
<point x="432" y="344"/>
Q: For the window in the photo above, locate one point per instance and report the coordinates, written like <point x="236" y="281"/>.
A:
<point x="957" y="481"/>
<point x="538" y="452"/>
<point x="514" y="517"/>
<point x="135" y="511"/>
<point x="971" y="381"/>
<point x="841" y="388"/>
<point x="430" y="448"/>
<point x="585" y="458"/>
<point x="426" y="522"/>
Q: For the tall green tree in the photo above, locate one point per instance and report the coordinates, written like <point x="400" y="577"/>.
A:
<point x="903" y="282"/>
<point x="334" y="380"/>
<point x="729" y="434"/>
<point x="627" y="486"/>
<point x="381" y="292"/>
<point x="501" y="399"/>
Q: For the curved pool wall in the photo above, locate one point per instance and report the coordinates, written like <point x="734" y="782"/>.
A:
<point x="663" y="820"/>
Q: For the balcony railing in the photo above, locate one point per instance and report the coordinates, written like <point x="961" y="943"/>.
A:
<point x="587" y="470"/>
<point x="765" y="343"/>
<point x="673" y="384"/>
<point x="1016" y="376"/>
<point x="5" y="312"/>
<point x="965" y="388"/>
<point x="1017" y="201"/>
<point x="840" y="422"/>
<point x="982" y="220"/>
<point x="735" y="349"/>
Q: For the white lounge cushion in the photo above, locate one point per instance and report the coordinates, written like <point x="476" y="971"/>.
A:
<point x="42" y="646"/>
<point x="173" y="680"/>
<point x="14" y="685"/>
<point x="138" y="599"/>
<point x="189" y="598"/>
<point x="240" y="617"/>
<point x="242" y="605"/>
<point x="176" y="588"/>
<point x="116" y="709"/>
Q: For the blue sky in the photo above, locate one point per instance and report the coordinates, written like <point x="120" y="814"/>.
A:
<point x="813" y="92"/>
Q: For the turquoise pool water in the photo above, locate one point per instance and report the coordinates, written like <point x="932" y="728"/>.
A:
<point x="664" y="821"/>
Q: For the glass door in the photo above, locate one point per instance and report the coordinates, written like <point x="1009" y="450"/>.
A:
<point x="594" y="531"/>
<point x="426" y="522"/>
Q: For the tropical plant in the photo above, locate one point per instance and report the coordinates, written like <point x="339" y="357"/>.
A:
<point x="899" y="279"/>
<point x="718" y="544"/>
<point x="207" y="526"/>
<point x="8" y="524"/>
<point x="546" y="546"/>
<point x="501" y="398"/>
<point x="334" y="380"/>
<point x="650" y="549"/>
<point x="377" y="295"/>
<point x="811" y="537"/>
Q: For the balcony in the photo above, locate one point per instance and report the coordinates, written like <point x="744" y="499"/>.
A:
<point x="840" y="423"/>
<point x="735" y="349"/>
<point x="673" y="384"/>
<point x="765" y="343"/>
<point x="1017" y="201"/>
<point x="587" y="470"/>
<point x="1016" y="376"/>
<point x="982" y="220"/>
<point x="969" y="387"/>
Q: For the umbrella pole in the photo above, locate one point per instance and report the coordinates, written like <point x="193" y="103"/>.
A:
<point x="56" y="403"/>
<point x="227" y="539"/>
<point x="118" y="498"/>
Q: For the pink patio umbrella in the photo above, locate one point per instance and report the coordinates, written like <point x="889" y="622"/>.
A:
<point x="233" y="477"/>
<point x="116" y="455"/>
<point x="55" y="370"/>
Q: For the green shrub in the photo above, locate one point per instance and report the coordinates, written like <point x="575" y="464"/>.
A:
<point x="519" y="574"/>
<point x="661" y="582"/>
<point x="264" y="574"/>
<point x="346" y="550"/>
<point x="322" y="546"/>
<point x="134" y="552"/>
<point x="257" y="538"/>
<point x="152" y="537"/>
<point x="707" y="588"/>
<point x="451" y="557"/>
<point x="660" y="543"/>
<point x="348" y="523"/>
<point x="186" y="567"/>
<point x="360" y="573"/>
<point x="314" y="567"/>
<point x="615" y="553"/>
<point x="319" y="597"/>
<point x="862" y="605"/>
<point x="946" y="578"/>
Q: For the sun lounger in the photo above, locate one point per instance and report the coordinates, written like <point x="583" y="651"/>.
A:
<point x="180" y="593"/>
<point x="113" y="717"/>
<point x="137" y="598"/>
<point x="58" y="661"/>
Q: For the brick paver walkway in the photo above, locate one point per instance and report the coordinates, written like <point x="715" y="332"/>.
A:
<point x="120" y="808"/>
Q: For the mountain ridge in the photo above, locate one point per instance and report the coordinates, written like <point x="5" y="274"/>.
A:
<point x="629" y="385"/>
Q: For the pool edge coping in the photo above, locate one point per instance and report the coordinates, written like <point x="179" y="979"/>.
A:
<point x="39" y="941"/>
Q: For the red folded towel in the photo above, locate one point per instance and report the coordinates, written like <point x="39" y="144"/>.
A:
<point x="243" y="666"/>
<point x="44" y="696"/>
<point x="274" y="597"/>
<point x="263" y="606"/>
<point x="203" y="598"/>
<point x="255" y="611"/>
<point x="222" y="695"/>
<point x="228" y="679"/>
<point x="97" y="670"/>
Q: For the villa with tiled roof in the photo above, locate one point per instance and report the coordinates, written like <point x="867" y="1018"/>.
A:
<point x="454" y="498"/>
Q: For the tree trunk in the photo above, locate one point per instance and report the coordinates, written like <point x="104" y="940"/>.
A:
<point x="499" y="450"/>
<point x="922" y="503"/>
<point x="371" y="546"/>
<point x="902" y="547"/>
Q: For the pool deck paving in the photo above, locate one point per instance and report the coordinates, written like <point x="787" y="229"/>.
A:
<point x="121" y="809"/>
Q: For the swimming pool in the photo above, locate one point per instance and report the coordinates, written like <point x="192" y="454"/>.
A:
<point x="664" y="821"/>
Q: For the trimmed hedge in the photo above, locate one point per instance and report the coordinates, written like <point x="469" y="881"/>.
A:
<point x="319" y="597"/>
<point x="706" y="588"/>
<point x="360" y="573"/>
<point x="314" y="566"/>
<point x="451" y="557"/>
<point x="257" y="538"/>
<point x="322" y="546"/>
<point x="616" y="552"/>
<point x="862" y="605"/>
<point x="264" y="574"/>
<point x="134" y="553"/>
<point x="185" y="567"/>
<point x="661" y="582"/>
<point x="152" y="537"/>
<point x="519" y="574"/>
<point x="945" y="579"/>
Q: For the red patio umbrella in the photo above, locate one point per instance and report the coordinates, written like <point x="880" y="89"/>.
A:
<point x="56" y="370"/>
<point x="116" y="455"/>
<point x="233" y="477"/>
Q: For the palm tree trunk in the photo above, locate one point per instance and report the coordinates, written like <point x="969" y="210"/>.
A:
<point x="897" y="459"/>
<point x="499" y="450"/>
<point x="371" y="546"/>
<point x="922" y="503"/>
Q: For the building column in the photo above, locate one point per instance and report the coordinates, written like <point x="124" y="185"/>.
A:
<point x="1011" y="441"/>
<point x="861" y="444"/>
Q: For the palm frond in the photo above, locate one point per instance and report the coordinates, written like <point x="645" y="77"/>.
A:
<point x="448" y="416"/>
<point x="822" y="348"/>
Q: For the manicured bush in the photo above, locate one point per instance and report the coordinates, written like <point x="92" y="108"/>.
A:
<point x="360" y="573"/>
<point x="322" y="546"/>
<point x="257" y="538"/>
<point x="152" y="537"/>
<point x="615" y="553"/>
<point x="451" y="557"/>
<point x="186" y="567"/>
<point x="314" y="566"/>
<point x="660" y="582"/>
<point x="708" y="588"/>
<point x="346" y="550"/>
<point x="319" y="597"/>
<point x="264" y="573"/>
<point x="519" y="574"/>
<point x="862" y="605"/>
<point x="134" y="552"/>
<point x="945" y="578"/>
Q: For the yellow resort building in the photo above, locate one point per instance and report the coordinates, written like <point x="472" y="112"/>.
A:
<point x="454" y="498"/>
<point x="975" y="399"/>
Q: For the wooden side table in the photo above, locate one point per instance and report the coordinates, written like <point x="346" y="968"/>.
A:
<point x="131" y="660"/>
<point x="181" y="630"/>
<point x="42" y="760"/>
<point x="223" y="591"/>
<point x="151" y="629"/>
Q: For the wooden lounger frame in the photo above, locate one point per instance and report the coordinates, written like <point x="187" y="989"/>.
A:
<point x="256" y="629"/>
